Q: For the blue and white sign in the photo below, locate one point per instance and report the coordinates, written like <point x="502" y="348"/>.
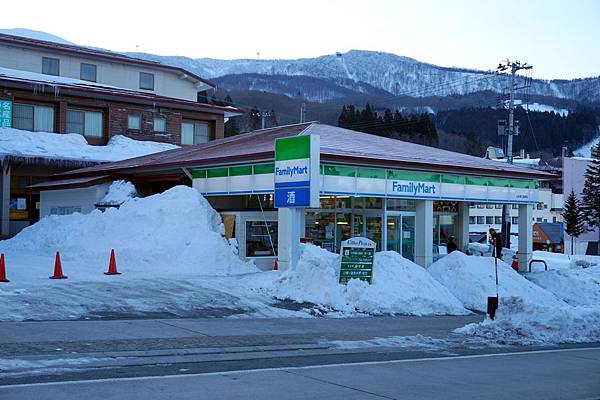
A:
<point x="296" y="172"/>
<point x="5" y="114"/>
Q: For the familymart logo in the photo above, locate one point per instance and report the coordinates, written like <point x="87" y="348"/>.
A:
<point x="413" y="188"/>
<point x="290" y="171"/>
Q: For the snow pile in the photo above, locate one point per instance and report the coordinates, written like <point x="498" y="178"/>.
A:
<point x="576" y="286"/>
<point x="399" y="286"/>
<point x="176" y="232"/>
<point x="519" y="321"/>
<point x="74" y="146"/>
<point x="119" y="192"/>
<point x="473" y="279"/>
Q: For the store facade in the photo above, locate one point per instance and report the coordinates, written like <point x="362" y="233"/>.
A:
<point x="405" y="197"/>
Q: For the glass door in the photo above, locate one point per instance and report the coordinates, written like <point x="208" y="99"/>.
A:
<point x="373" y="229"/>
<point x="401" y="234"/>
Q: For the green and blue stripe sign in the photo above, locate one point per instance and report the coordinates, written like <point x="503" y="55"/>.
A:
<point x="370" y="182"/>
<point x="296" y="173"/>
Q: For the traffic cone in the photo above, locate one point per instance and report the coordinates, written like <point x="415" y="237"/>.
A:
<point x="2" y="269"/>
<point x="112" y="265"/>
<point x="275" y="265"/>
<point x="58" y="274"/>
<point x="515" y="262"/>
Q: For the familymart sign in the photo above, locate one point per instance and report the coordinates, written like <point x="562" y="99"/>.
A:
<point x="296" y="171"/>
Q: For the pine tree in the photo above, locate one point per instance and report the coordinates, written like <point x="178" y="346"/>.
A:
<point x="574" y="218"/>
<point x="228" y="101"/>
<point x="591" y="190"/>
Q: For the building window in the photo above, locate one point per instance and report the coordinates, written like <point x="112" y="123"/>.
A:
<point x="64" y="210"/>
<point x="260" y="242"/>
<point x="515" y="206"/>
<point x="540" y="206"/>
<point x="489" y="206"/>
<point x="159" y="125"/>
<point x="472" y="220"/>
<point x="489" y="220"/>
<point x="87" y="72"/>
<point x="33" y="118"/>
<point x="133" y="122"/>
<point x="146" y="81"/>
<point x="499" y="206"/>
<point x="50" y="66"/>
<point x="87" y="123"/>
<point x="194" y="133"/>
<point x="498" y="220"/>
<point x="480" y="220"/>
<point x="480" y="206"/>
<point x="515" y="220"/>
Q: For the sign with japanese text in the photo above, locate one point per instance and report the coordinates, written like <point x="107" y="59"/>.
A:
<point x="5" y="114"/>
<point x="357" y="255"/>
<point x="296" y="171"/>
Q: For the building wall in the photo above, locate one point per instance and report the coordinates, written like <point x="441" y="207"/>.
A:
<point x="548" y="210"/>
<point x="116" y="116"/>
<point x="574" y="180"/>
<point x="67" y="201"/>
<point x="123" y="75"/>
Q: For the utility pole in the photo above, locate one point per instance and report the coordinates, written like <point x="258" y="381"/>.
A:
<point x="303" y="113"/>
<point x="263" y="115"/>
<point x="509" y="131"/>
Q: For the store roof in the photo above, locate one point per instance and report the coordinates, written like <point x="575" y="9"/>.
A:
<point x="338" y="145"/>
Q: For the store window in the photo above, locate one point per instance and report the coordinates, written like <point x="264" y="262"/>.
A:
<point x="33" y="117"/>
<point x="50" y="66"/>
<point x="18" y="208"/>
<point x="194" y="132"/>
<point x="472" y="220"/>
<point x="401" y="205"/>
<point x="320" y="226"/>
<point x="65" y="210"/>
<point x="159" y="125"/>
<point x="87" y="72"/>
<point x="87" y="123"/>
<point x="261" y="238"/>
<point x="133" y="122"/>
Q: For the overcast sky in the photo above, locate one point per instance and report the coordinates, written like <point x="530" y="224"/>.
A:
<point x="560" y="38"/>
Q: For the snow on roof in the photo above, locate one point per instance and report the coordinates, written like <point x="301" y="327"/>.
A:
<point x="43" y="78"/>
<point x="521" y="161"/>
<point x="16" y="142"/>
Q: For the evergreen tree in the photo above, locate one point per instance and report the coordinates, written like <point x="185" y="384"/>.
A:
<point x="591" y="190"/>
<point x="574" y="218"/>
<point x="228" y="101"/>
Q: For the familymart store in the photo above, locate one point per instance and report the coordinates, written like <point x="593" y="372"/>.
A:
<point x="405" y="210"/>
<point x="405" y="197"/>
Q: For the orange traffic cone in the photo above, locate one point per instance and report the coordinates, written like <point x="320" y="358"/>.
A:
<point x="112" y="265"/>
<point x="515" y="262"/>
<point x="2" y="269"/>
<point x="58" y="274"/>
<point x="275" y="265"/>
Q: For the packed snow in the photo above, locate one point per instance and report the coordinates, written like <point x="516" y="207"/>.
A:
<point x="177" y="231"/>
<point x="399" y="286"/>
<point x="473" y="279"/>
<point x="119" y="192"/>
<point x="577" y="286"/>
<point x="74" y="146"/>
<point x="521" y="321"/>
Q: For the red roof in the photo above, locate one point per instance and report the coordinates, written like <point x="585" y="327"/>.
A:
<point x="95" y="53"/>
<point x="338" y="145"/>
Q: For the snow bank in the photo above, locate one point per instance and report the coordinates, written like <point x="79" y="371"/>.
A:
<point x="176" y="232"/>
<point x="473" y="279"/>
<point x="519" y="321"/>
<point x="119" y="192"/>
<point x="399" y="286"/>
<point x="576" y="286"/>
<point x="74" y="146"/>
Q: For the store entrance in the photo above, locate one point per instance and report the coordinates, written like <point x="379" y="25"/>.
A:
<point x="368" y="224"/>
<point x="401" y="234"/>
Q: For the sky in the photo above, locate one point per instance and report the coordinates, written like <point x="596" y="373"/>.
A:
<point x="559" y="38"/>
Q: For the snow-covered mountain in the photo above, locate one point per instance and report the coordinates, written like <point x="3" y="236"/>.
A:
<point x="38" y="35"/>
<point x="395" y="74"/>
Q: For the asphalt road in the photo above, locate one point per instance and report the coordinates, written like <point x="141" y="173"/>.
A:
<point x="283" y="359"/>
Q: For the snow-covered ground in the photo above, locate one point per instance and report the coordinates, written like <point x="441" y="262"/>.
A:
<point x="74" y="146"/>
<point x="176" y="261"/>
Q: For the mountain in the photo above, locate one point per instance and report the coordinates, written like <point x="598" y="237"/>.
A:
<point x="38" y="35"/>
<point x="397" y="75"/>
